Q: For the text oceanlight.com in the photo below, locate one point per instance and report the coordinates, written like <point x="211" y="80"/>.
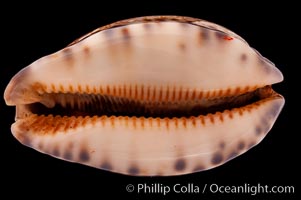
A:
<point x="192" y="188"/>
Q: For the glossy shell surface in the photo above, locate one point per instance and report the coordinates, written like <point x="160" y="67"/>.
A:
<point x="149" y="96"/>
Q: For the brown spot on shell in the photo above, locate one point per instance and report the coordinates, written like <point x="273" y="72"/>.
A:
<point x="241" y="145"/>
<point x="258" y="130"/>
<point x="108" y="33"/>
<point x="147" y="26"/>
<point x="67" y="155"/>
<point x="133" y="170"/>
<point x="126" y="33"/>
<point x="84" y="155"/>
<point x="222" y="145"/>
<point x="243" y="57"/>
<point x="182" y="46"/>
<point x="203" y="36"/>
<point x="68" y="55"/>
<point x="86" y="50"/>
<point x="217" y="158"/>
<point x="56" y="152"/>
<point x="219" y="35"/>
<point x="273" y="111"/>
<point x="139" y="20"/>
<point x="106" y="166"/>
<point x="265" y="125"/>
<point x="180" y="165"/>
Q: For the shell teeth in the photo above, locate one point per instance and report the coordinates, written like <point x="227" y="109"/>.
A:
<point x="142" y="92"/>
<point x="43" y="124"/>
<point x="185" y="102"/>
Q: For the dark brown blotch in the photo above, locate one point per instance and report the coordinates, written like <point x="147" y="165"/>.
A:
<point x="258" y="130"/>
<point x="180" y="165"/>
<point x="274" y="110"/>
<point x="108" y="33"/>
<point x="220" y="35"/>
<point x="133" y="170"/>
<point x="241" y="145"/>
<point x="265" y="125"/>
<point x="222" y="145"/>
<point x="203" y="35"/>
<point x="67" y="155"/>
<point x="243" y="57"/>
<point x="126" y="33"/>
<point x="106" y="166"/>
<point x="84" y="155"/>
<point x="182" y="46"/>
<point x="86" y="50"/>
<point x="67" y="52"/>
<point x="217" y="158"/>
<point x="56" y="152"/>
<point x="147" y="26"/>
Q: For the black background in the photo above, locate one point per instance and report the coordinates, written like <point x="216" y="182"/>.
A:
<point x="45" y="28"/>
